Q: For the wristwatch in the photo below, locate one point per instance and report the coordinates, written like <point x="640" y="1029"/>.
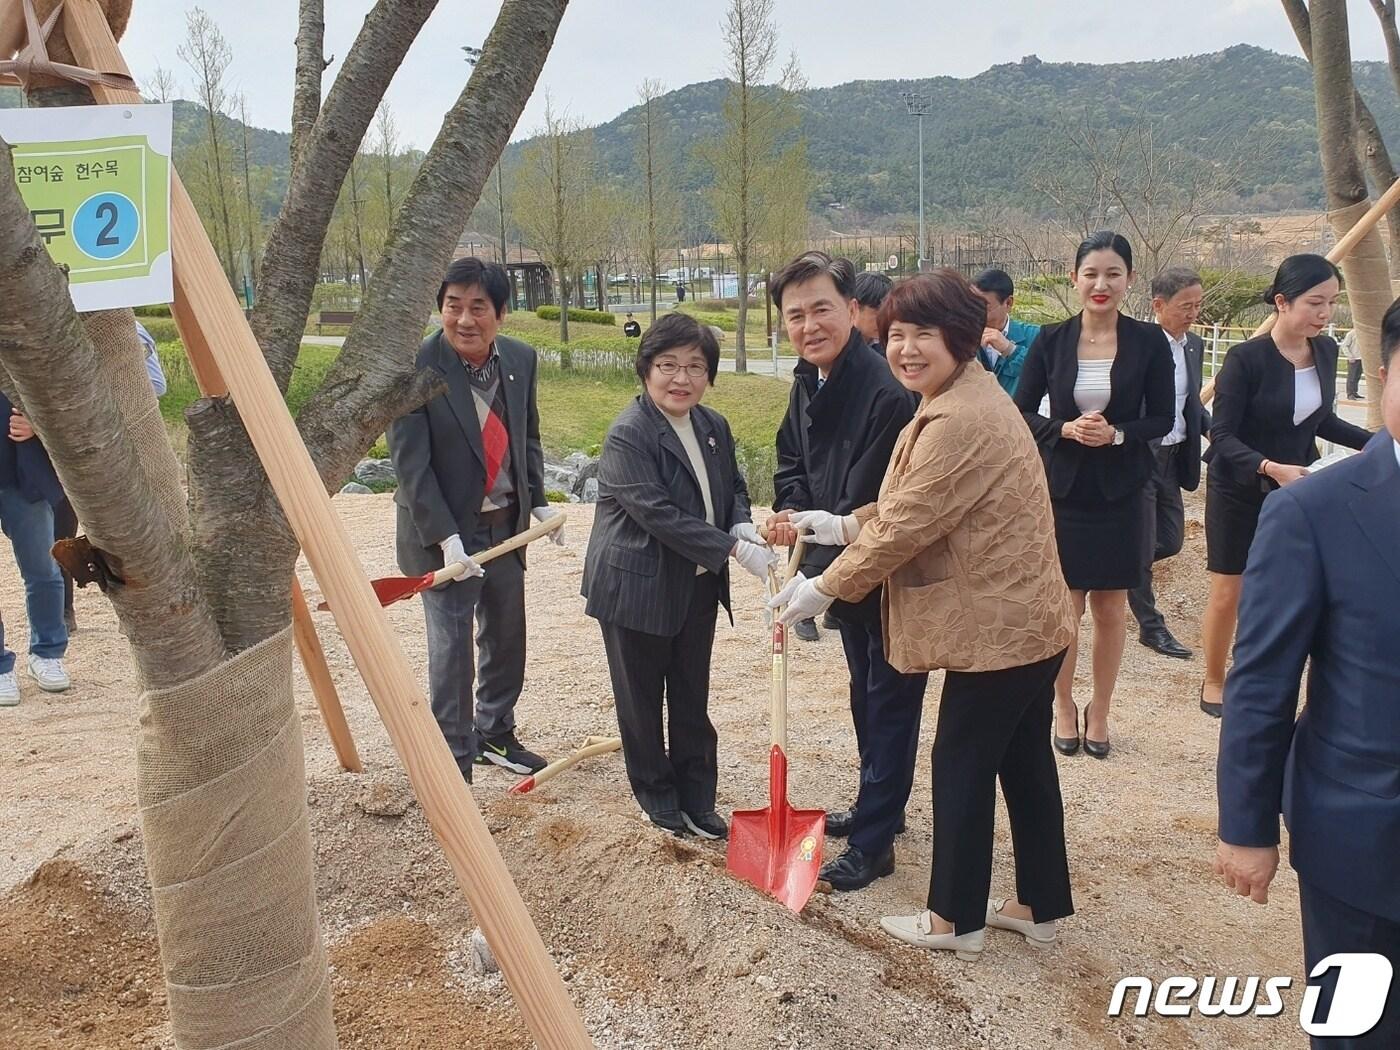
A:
<point x="1118" y="435"/>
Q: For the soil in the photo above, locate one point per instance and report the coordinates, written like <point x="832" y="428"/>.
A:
<point x="659" y="946"/>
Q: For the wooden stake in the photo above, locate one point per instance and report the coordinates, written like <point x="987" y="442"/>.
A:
<point x="318" y="673"/>
<point x="1339" y="252"/>
<point x="209" y="304"/>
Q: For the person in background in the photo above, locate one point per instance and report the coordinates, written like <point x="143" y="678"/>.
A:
<point x="1333" y="771"/>
<point x="680" y="291"/>
<point x="1176" y="303"/>
<point x="1351" y="350"/>
<point x="631" y="328"/>
<point x="870" y="291"/>
<point x="1274" y="397"/>
<point x="962" y="540"/>
<point x="29" y="492"/>
<point x="1109" y="381"/>
<point x="471" y="472"/>
<point x="153" y="369"/>
<point x="672" y="510"/>
<point x="1006" y="342"/>
<point x="844" y="413"/>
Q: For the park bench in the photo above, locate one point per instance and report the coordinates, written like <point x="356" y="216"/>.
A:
<point x="341" y="317"/>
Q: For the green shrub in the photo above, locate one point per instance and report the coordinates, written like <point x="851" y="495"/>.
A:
<point x="379" y="450"/>
<point x="555" y="496"/>
<point x="159" y="310"/>
<point x="162" y="329"/>
<point x="551" y="313"/>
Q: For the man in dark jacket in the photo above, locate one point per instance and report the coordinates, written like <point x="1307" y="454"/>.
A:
<point x="844" y="414"/>
<point x="29" y="491"/>
<point x="471" y="475"/>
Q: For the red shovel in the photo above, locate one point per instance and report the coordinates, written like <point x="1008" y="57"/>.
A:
<point x="778" y="849"/>
<point x="391" y="589"/>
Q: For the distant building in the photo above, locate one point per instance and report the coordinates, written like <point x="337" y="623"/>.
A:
<point x="531" y="282"/>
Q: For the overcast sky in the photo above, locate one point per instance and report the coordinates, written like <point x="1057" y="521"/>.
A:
<point x="605" y="48"/>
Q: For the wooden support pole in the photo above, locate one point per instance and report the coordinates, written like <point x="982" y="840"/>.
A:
<point x="318" y="673"/>
<point x="1339" y="252"/>
<point x="210" y="304"/>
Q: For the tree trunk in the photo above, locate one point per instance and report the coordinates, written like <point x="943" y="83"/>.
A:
<point x="741" y="357"/>
<point x="311" y="63"/>
<point x="1367" y="274"/>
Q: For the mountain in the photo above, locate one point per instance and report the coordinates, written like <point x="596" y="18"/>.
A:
<point x="984" y="135"/>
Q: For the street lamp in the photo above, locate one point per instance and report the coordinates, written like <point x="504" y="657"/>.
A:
<point x="917" y="106"/>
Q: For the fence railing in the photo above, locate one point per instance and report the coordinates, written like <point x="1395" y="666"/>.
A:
<point x="1219" y="338"/>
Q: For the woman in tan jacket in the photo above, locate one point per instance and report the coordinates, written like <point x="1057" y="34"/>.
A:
<point x="963" y="539"/>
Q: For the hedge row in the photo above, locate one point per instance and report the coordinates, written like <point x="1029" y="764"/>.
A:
<point x="551" y="313"/>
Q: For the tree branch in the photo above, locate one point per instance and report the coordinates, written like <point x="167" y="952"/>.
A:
<point x="1385" y="13"/>
<point x="306" y="99"/>
<point x="372" y="381"/>
<point x="292" y="257"/>
<point x="54" y="370"/>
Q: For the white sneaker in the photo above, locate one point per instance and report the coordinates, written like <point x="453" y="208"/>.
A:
<point x="918" y="931"/>
<point x="1037" y="934"/>
<point x="49" y="673"/>
<point x="9" y="689"/>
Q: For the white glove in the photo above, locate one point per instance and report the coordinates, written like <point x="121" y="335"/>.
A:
<point x="756" y="558"/>
<point x="827" y="529"/>
<point x="545" y="514"/>
<point x="748" y="532"/>
<point x="453" y="553"/>
<point x="804" y="600"/>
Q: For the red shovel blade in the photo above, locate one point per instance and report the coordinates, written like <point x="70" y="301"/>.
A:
<point x="391" y="589"/>
<point x="778" y="849"/>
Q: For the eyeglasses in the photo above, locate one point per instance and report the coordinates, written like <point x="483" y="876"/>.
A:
<point x="670" y="368"/>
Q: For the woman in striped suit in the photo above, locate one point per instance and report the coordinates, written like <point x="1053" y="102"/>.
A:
<point x="672" y="510"/>
<point x="1112" y="389"/>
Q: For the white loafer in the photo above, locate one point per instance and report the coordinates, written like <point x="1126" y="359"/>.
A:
<point x="1037" y="934"/>
<point x="918" y="931"/>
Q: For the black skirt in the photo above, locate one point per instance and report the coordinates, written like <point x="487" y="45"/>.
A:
<point x="1232" y="515"/>
<point x="1103" y="545"/>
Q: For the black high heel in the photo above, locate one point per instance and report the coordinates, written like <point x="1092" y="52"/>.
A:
<point x="1068" y="745"/>
<point x="1096" y="748"/>
<point x="1214" y="710"/>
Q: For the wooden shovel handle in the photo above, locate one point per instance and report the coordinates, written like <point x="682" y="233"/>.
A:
<point x="778" y="698"/>
<point x="592" y="746"/>
<point x="534" y="532"/>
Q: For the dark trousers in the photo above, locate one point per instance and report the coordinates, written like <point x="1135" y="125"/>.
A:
<point x="648" y="670"/>
<point x="997" y="724"/>
<point x="1166" y="532"/>
<point x="495" y="606"/>
<point x="1353" y="380"/>
<point x="886" y="707"/>
<point x="1331" y="927"/>
<point x="65" y="527"/>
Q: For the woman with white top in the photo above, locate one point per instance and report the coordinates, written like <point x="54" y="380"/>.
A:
<point x="1110" y="384"/>
<point x="1274" y="398"/>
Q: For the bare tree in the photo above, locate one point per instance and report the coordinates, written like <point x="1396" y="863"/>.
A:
<point x="251" y="224"/>
<point x="660" y="212"/>
<point x="756" y="117"/>
<point x="208" y="55"/>
<point x="1366" y="268"/>
<point x="554" y="201"/>
<point x="311" y="63"/>
<point x="386" y="156"/>
<point x="160" y="85"/>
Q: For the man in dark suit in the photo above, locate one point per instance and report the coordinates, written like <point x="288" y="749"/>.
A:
<point x="1334" y="773"/>
<point x="1176" y="302"/>
<point x="471" y="474"/>
<point x="844" y="414"/>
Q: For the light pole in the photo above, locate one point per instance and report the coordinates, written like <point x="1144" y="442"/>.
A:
<point x="917" y="106"/>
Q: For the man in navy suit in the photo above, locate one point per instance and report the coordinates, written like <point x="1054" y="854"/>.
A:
<point x="1323" y="583"/>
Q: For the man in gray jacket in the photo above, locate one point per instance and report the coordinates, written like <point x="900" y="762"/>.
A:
<point x="471" y="474"/>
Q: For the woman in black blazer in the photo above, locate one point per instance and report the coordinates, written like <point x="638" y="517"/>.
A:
<point x="1274" y="397"/>
<point x="672" y="509"/>
<point x="1111" y="388"/>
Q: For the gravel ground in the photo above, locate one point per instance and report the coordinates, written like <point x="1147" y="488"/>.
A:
<point x="661" y="948"/>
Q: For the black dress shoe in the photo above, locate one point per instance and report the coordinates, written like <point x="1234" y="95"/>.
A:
<point x="853" y="870"/>
<point x="1068" y="745"/>
<point x="839" y="822"/>
<point x="1160" y="640"/>
<point x="830" y="622"/>
<point x="806" y="630"/>
<point x="672" y="820"/>
<point x="1214" y="710"/>
<point x="1095" y="748"/>
<point x="706" y="825"/>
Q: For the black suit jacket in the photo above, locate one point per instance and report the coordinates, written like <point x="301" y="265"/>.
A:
<point x="1253" y="417"/>
<point x="1142" y="404"/>
<point x="1188" y="464"/>
<point x="834" y="445"/>
<point x="649" y="529"/>
<point x="438" y="458"/>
